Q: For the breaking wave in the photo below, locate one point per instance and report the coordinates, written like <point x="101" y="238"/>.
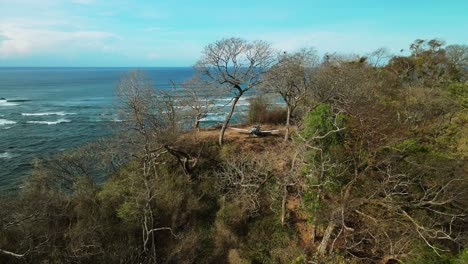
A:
<point x="61" y="113"/>
<point x="49" y="122"/>
<point x="6" y="122"/>
<point x="4" y="102"/>
<point x="5" y="155"/>
<point x="214" y="118"/>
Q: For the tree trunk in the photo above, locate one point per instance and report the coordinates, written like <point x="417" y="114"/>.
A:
<point x="326" y="238"/>
<point x="228" y="118"/>
<point x="288" y="117"/>
<point x="197" y="125"/>
<point x="283" y="205"/>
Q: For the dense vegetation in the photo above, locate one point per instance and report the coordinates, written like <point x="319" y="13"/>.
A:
<point x="373" y="169"/>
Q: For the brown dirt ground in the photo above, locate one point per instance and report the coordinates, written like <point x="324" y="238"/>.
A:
<point x="232" y="135"/>
<point x="244" y="141"/>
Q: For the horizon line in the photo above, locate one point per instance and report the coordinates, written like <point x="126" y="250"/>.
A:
<point x="96" y="66"/>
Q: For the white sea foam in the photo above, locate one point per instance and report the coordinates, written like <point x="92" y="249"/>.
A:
<point x="6" y="122"/>
<point x="5" y="155"/>
<point x="49" y="122"/>
<point x="229" y="100"/>
<point x="211" y="118"/>
<point x="6" y="103"/>
<point x="61" y="113"/>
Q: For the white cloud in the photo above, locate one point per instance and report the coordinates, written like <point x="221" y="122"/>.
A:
<point x="20" y="41"/>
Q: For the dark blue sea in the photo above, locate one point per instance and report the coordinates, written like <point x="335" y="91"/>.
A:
<point x="44" y="111"/>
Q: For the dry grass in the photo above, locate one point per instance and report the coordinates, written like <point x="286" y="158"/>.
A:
<point x="243" y="141"/>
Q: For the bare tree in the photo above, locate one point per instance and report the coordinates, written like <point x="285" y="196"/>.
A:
<point x="153" y="117"/>
<point x="290" y="78"/>
<point x="244" y="178"/>
<point x="236" y="65"/>
<point x="149" y="112"/>
<point x="198" y="95"/>
<point x="457" y="55"/>
<point x="342" y="81"/>
<point x="291" y="178"/>
<point x="379" y="57"/>
<point x="385" y="201"/>
<point x="8" y="220"/>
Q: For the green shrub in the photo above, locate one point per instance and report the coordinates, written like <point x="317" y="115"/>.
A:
<point x="459" y="90"/>
<point x="269" y="242"/>
<point x="322" y="120"/>
<point x="462" y="258"/>
<point x="426" y="255"/>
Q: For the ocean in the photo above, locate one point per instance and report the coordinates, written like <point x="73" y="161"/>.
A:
<point x="44" y="111"/>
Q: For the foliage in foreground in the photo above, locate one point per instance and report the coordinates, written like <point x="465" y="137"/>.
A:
<point x="375" y="172"/>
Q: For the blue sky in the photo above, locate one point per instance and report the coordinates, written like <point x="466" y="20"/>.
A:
<point x="143" y="33"/>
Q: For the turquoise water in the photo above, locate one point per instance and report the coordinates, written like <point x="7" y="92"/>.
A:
<point x="44" y="111"/>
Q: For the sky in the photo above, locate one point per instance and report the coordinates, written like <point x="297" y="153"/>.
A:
<point x="157" y="33"/>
